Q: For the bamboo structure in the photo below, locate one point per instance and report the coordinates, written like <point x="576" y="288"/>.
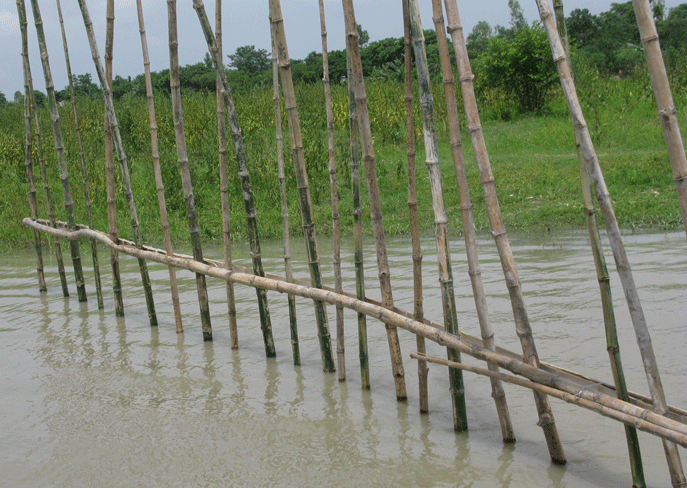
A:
<point x="613" y="230"/>
<point x="84" y="173"/>
<point x="164" y="221"/>
<point x="353" y="48"/>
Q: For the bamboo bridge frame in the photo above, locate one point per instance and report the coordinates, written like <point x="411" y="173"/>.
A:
<point x="636" y="412"/>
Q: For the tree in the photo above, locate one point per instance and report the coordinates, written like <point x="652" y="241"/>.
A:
<point x="3" y="99"/>
<point x="478" y="39"/>
<point x="517" y="18"/>
<point x="363" y="36"/>
<point x="249" y="60"/>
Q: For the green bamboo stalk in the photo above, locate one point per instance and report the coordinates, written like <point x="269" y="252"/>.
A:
<point x="353" y="48"/>
<point x="522" y="325"/>
<point x="487" y="332"/>
<point x="613" y="231"/>
<point x="283" y="200"/>
<point x="164" y="221"/>
<point x="59" y="149"/>
<point x="84" y="173"/>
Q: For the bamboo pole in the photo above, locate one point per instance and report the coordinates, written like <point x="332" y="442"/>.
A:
<point x="84" y="173"/>
<point x="293" y="322"/>
<point x="244" y="176"/>
<point x="302" y="182"/>
<point x="603" y="278"/>
<point x="336" y="234"/>
<point x="59" y="149"/>
<point x="457" y="387"/>
<point x="486" y="329"/>
<point x="224" y="184"/>
<point x="164" y="221"/>
<point x="522" y="325"/>
<point x="418" y="311"/>
<point x="664" y="101"/>
<point x="358" y="83"/>
<point x="613" y="231"/>
<point x="182" y="157"/>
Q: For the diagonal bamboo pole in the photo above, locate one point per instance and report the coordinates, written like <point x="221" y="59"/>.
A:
<point x="487" y="332"/>
<point x="522" y="325"/>
<point x="224" y="184"/>
<point x="336" y="234"/>
<point x="164" y="221"/>
<point x="84" y="173"/>
<point x="358" y="83"/>
<point x="619" y="254"/>
<point x="293" y="322"/>
<point x="59" y="149"/>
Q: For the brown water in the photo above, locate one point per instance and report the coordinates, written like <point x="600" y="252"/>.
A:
<point x="92" y="400"/>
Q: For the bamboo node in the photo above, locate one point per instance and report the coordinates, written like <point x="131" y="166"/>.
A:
<point x="650" y="38"/>
<point x="545" y="419"/>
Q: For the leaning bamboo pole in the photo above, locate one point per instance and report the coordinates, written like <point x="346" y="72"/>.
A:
<point x="486" y="329"/>
<point x="522" y="325"/>
<point x="59" y="149"/>
<point x="664" y="101"/>
<point x="84" y="172"/>
<point x="302" y="181"/>
<point x="418" y="311"/>
<point x="448" y="299"/>
<point x="358" y="83"/>
<point x="336" y="233"/>
<point x="293" y="321"/>
<point x="224" y="184"/>
<point x="164" y="221"/>
<point x="613" y="230"/>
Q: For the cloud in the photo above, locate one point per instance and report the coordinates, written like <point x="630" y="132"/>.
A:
<point x="9" y="23"/>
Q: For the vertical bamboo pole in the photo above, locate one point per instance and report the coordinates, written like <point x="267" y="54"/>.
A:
<point x="84" y="173"/>
<point x="293" y="322"/>
<point x="336" y="234"/>
<point x="418" y="311"/>
<point x="522" y="325"/>
<point x="497" y="391"/>
<point x="244" y="176"/>
<point x="664" y="101"/>
<point x="164" y="221"/>
<point x="460" y="420"/>
<point x="182" y="157"/>
<point x="224" y="184"/>
<point x="357" y="230"/>
<point x="603" y="278"/>
<point x="59" y="149"/>
<point x="358" y="83"/>
<point x="302" y="182"/>
<point x="613" y="230"/>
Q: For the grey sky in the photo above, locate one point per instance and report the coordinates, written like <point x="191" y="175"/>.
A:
<point x="244" y="22"/>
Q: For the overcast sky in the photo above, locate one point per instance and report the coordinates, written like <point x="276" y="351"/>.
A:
<point x="245" y="22"/>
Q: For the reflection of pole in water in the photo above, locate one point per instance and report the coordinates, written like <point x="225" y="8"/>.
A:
<point x="213" y="402"/>
<point x="272" y="388"/>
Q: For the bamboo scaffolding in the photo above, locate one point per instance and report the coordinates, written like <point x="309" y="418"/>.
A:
<point x="613" y="231"/>
<point x="184" y="170"/>
<point x="84" y="172"/>
<point x="486" y="329"/>
<point x="59" y="149"/>
<point x="224" y="184"/>
<point x="522" y="325"/>
<point x="418" y="311"/>
<point x="358" y="83"/>
<point x="244" y="176"/>
<point x="603" y="278"/>
<point x="457" y="387"/>
<point x="336" y="234"/>
<point x="164" y="221"/>
<point x="293" y="321"/>
<point x="302" y="181"/>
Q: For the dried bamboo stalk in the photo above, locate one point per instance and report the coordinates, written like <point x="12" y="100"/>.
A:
<point x="293" y="322"/>
<point x="522" y="325"/>
<point x="487" y="332"/>
<point x="59" y="149"/>
<point x="358" y="83"/>
<point x="418" y="311"/>
<point x="84" y="173"/>
<point x="164" y="221"/>
<point x="302" y="181"/>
